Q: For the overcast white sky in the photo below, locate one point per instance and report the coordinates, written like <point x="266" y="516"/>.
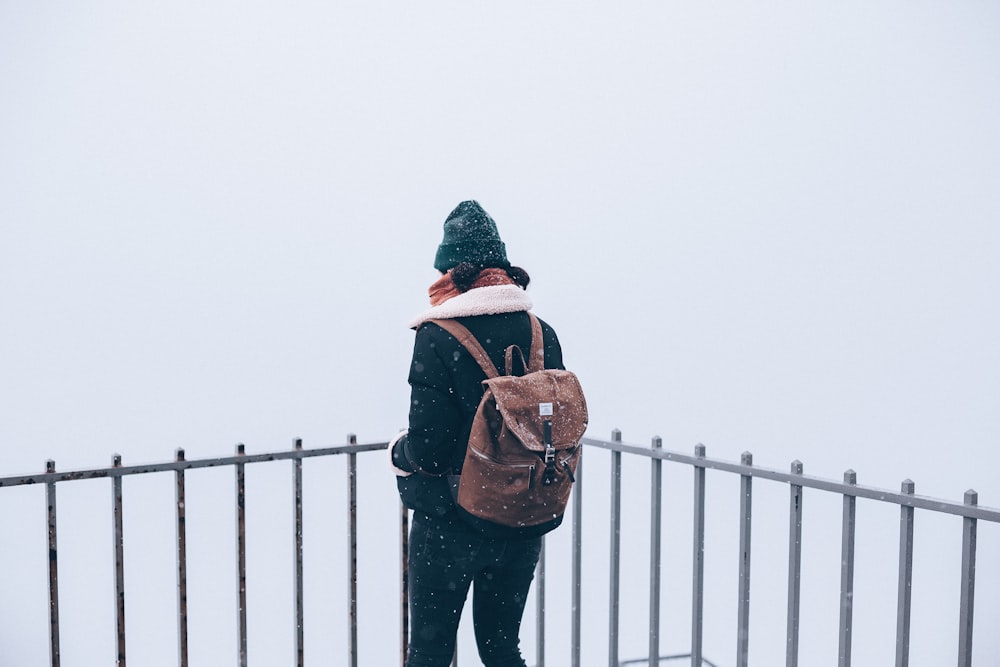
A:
<point x="768" y="226"/>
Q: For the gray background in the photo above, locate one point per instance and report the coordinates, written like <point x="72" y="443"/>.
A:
<point x="761" y="226"/>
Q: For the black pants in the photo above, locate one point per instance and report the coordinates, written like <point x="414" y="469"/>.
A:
<point x="445" y="559"/>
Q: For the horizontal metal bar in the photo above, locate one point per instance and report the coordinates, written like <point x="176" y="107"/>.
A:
<point x="921" y="502"/>
<point x="102" y="473"/>
<point x="859" y="491"/>
<point x="703" y="662"/>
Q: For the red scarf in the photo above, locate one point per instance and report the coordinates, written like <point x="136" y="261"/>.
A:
<point x="444" y="287"/>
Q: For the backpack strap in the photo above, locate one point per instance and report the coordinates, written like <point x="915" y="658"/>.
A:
<point x="508" y="359"/>
<point x="465" y="337"/>
<point x="536" y="360"/>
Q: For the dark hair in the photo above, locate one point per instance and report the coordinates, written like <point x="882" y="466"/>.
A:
<point x="519" y="276"/>
<point x="465" y="274"/>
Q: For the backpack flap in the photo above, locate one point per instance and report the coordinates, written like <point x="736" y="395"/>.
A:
<point x="525" y="403"/>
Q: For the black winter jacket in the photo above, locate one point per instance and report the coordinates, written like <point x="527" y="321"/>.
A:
<point x="446" y="387"/>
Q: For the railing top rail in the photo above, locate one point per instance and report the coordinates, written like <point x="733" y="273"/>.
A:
<point x="182" y="464"/>
<point x="967" y="509"/>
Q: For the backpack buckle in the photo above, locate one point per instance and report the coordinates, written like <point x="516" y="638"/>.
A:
<point x="549" y="475"/>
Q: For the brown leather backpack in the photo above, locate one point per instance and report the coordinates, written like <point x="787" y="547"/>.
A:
<point x="525" y="441"/>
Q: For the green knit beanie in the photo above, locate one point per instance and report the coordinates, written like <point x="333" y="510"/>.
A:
<point x="470" y="235"/>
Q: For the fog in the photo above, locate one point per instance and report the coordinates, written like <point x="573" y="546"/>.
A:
<point x="765" y="227"/>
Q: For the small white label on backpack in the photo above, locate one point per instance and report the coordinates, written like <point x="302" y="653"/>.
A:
<point x="544" y="409"/>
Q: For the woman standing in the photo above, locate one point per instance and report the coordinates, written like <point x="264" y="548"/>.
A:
<point x="448" y="554"/>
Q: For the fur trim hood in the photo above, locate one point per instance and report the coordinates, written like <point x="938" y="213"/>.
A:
<point x="480" y="301"/>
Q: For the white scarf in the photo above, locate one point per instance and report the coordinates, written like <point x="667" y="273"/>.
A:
<point x="478" y="301"/>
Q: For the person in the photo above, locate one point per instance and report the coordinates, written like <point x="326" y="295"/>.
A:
<point x="480" y="289"/>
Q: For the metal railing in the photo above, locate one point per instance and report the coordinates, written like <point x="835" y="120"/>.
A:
<point x="969" y="512"/>
<point x="51" y="478"/>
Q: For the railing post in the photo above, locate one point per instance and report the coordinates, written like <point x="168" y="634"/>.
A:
<point x="540" y="608"/>
<point x="119" y="550"/>
<point x="50" y="497"/>
<point x="967" y="601"/>
<point x="615" y="574"/>
<point x="352" y="553"/>
<point x="794" y="568"/>
<point x="743" y="632"/>
<point x="847" y="573"/>
<point x="241" y="556"/>
<point x="698" y="560"/>
<point x="298" y="549"/>
<point x="404" y="581"/>
<point x="905" y="579"/>
<point x="656" y="509"/>
<point x="181" y="530"/>
<point x="576" y="573"/>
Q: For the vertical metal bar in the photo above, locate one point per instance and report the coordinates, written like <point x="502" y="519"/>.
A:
<point x="119" y="547"/>
<point x="616" y="526"/>
<point x="656" y="509"/>
<point x="794" y="568"/>
<point x="847" y="573"/>
<point x="540" y="608"/>
<point x="352" y="553"/>
<point x="241" y="555"/>
<point x="50" y="498"/>
<point x="404" y="570"/>
<point x="743" y="620"/>
<point x="905" y="579"/>
<point x="698" y="560"/>
<point x="576" y="566"/>
<point x="181" y="529"/>
<point x="967" y="601"/>
<point x="300" y="660"/>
